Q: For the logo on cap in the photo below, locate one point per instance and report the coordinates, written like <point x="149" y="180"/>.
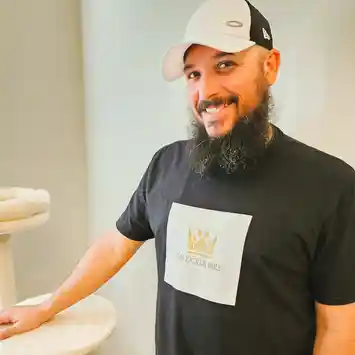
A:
<point x="234" y="24"/>
<point x="266" y="35"/>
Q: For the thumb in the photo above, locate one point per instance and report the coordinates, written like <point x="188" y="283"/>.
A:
<point x="8" y="331"/>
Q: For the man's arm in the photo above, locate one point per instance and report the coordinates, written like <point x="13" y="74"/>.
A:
<point x="103" y="260"/>
<point x="335" y="330"/>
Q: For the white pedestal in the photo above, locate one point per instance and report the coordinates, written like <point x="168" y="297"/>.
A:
<point x="7" y="276"/>
<point x="78" y="330"/>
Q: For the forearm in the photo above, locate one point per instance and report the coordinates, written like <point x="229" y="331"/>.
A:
<point x="103" y="260"/>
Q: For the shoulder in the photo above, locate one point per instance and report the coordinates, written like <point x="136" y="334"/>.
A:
<point x="168" y="157"/>
<point x="171" y="153"/>
<point x="317" y="164"/>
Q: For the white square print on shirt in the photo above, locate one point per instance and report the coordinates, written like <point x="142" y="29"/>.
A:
<point x="204" y="250"/>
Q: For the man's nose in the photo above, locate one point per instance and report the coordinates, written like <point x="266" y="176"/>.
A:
<point x="208" y="88"/>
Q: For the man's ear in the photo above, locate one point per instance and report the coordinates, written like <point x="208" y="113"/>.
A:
<point x="271" y="66"/>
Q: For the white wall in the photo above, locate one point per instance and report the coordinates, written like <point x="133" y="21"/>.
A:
<point x="42" y="133"/>
<point x="315" y="89"/>
<point x="131" y="112"/>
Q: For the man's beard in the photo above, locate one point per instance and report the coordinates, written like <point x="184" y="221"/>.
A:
<point x="239" y="150"/>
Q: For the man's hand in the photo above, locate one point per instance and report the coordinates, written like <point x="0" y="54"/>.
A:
<point x="20" y="319"/>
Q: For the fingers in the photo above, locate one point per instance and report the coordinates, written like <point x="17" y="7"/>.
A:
<point x="5" y="318"/>
<point x="7" y="331"/>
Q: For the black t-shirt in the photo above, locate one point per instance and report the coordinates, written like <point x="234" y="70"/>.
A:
<point x="242" y="260"/>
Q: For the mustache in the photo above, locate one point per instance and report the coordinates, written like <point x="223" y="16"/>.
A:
<point x="218" y="101"/>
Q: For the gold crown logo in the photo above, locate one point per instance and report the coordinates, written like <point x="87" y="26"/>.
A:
<point x="201" y="243"/>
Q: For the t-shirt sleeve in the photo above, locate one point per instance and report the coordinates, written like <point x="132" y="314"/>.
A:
<point x="133" y="223"/>
<point x="333" y="270"/>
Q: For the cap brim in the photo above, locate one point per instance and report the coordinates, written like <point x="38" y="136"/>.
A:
<point x="173" y="63"/>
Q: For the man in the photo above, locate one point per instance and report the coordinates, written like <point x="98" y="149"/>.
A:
<point x="254" y="231"/>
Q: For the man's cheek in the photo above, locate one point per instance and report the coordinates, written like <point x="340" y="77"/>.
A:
<point x="195" y="112"/>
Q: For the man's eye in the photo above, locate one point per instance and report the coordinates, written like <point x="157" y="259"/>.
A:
<point x="193" y="75"/>
<point x="225" y="64"/>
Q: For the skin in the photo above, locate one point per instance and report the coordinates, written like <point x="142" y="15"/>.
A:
<point x="210" y="73"/>
<point x="335" y="329"/>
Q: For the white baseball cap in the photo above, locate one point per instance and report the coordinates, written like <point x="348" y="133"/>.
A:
<point x="227" y="25"/>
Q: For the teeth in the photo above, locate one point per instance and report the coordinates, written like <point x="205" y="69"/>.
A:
<point x="213" y="109"/>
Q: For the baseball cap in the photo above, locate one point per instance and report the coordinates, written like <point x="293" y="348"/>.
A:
<point x="227" y="25"/>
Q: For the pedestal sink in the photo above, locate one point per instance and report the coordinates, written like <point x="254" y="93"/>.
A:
<point x="76" y="331"/>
